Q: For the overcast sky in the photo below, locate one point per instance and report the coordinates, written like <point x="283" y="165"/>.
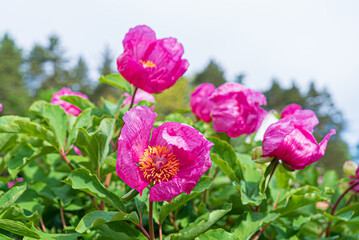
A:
<point x="300" y="40"/>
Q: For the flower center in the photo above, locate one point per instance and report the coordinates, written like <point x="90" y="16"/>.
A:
<point x="158" y="164"/>
<point x="148" y="64"/>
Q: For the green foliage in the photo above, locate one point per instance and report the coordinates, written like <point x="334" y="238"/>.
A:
<point x="211" y="74"/>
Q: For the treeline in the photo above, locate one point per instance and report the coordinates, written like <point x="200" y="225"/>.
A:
<point x="36" y="74"/>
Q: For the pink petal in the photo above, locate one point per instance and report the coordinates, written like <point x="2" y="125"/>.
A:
<point x="164" y="191"/>
<point x="192" y="150"/>
<point x="200" y="103"/>
<point x="299" y="148"/>
<point x="132" y="143"/>
<point x="236" y="109"/>
<point x="290" y="110"/>
<point x="68" y="107"/>
<point x="140" y="96"/>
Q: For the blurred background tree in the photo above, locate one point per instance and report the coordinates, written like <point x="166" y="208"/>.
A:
<point x="213" y="73"/>
<point x="13" y="92"/>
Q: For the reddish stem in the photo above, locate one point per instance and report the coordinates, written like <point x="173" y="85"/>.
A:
<point x="107" y="183"/>
<point x="42" y="223"/>
<point x="150" y="221"/>
<point x="62" y="218"/>
<point x="63" y="155"/>
<point x="256" y="237"/>
<point x="327" y="233"/>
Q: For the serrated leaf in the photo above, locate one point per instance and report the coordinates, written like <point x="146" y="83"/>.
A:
<point x="57" y="120"/>
<point x="18" y="228"/>
<point x="83" y="180"/>
<point x="96" y="218"/>
<point x="201" y="224"/>
<point x="203" y="184"/>
<point x="117" y="81"/>
<point x="250" y="222"/>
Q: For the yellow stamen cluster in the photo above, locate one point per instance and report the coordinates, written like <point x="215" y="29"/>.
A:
<point x="158" y="164"/>
<point x="148" y="64"/>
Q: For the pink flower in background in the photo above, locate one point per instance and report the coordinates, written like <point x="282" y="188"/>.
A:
<point x="69" y="108"/>
<point x="140" y="96"/>
<point x="173" y="159"/>
<point x="290" y="110"/>
<point x="356" y="188"/>
<point x="0" y="107"/>
<point x="151" y="64"/>
<point x="236" y="109"/>
<point x="12" y="183"/>
<point x="291" y="140"/>
<point x="200" y="103"/>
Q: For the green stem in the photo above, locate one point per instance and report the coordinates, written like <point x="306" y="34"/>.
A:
<point x="150" y="221"/>
<point x="275" y="162"/>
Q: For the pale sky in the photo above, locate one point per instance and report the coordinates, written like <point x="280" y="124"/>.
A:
<point x="299" y="40"/>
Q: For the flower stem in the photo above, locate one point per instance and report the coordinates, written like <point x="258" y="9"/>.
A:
<point x="327" y="233"/>
<point x="63" y="155"/>
<point x="150" y="221"/>
<point x="133" y="98"/>
<point x="131" y="105"/>
<point x="160" y="230"/>
<point x="275" y="162"/>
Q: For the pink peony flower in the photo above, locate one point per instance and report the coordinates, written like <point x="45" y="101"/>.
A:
<point x="0" y="107"/>
<point x="356" y="188"/>
<point x="12" y="183"/>
<point x="290" y="110"/>
<point x="200" y="103"/>
<point x="140" y="96"/>
<point x="173" y="159"/>
<point x="149" y="63"/>
<point x="236" y="109"/>
<point x="291" y="140"/>
<point x="69" y="108"/>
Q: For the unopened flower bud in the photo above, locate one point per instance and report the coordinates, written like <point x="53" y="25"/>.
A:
<point x="350" y="168"/>
<point x="257" y="156"/>
<point x="322" y="205"/>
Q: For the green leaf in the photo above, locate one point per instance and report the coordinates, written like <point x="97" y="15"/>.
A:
<point x="54" y="236"/>
<point x="300" y="197"/>
<point x="249" y="192"/>
<point x="18" y="228"/>
<point x="203" y="184"/>
<point x="83" y="180"/>
<point x="96" y="145"/>
<point x="3" y="237"/>
<point x="96" y="218"/>
<point x="116" y="80"/>
<point x="19" y="159"/>
<point x="32" y="129"/>
<point x="119" y="230"/>
<point x="250" y="223"/>
<point x="57" y="120"/>
<point x="330" y="179"/>
<point x="226" y="159"/>
<point x="216" y="234"/>
<point x="81" y="122"/>
<point x="201" y="224"/>
<point x="79" y="102"/>
<point x="129" y="196"/>
<point x="11" y="196"/>
<point x="6" y="119"/>
<point x="284" y="177"/>
<point x="341" y="217"/>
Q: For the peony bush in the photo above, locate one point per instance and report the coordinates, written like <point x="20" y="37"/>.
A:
<point x="74" y="170"/>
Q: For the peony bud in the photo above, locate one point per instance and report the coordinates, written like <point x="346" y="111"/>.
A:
<point x="322" y="205"/>
<point x="350" y="168"/>
<point x="257" y="156"/>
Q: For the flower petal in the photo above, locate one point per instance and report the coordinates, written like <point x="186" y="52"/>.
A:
<point x="132" y="143"/>
<point x="200" y="103"/>
<point x="299" y="148"/>
<point x="290" y="110"/>
<point x="164" y="191"/>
